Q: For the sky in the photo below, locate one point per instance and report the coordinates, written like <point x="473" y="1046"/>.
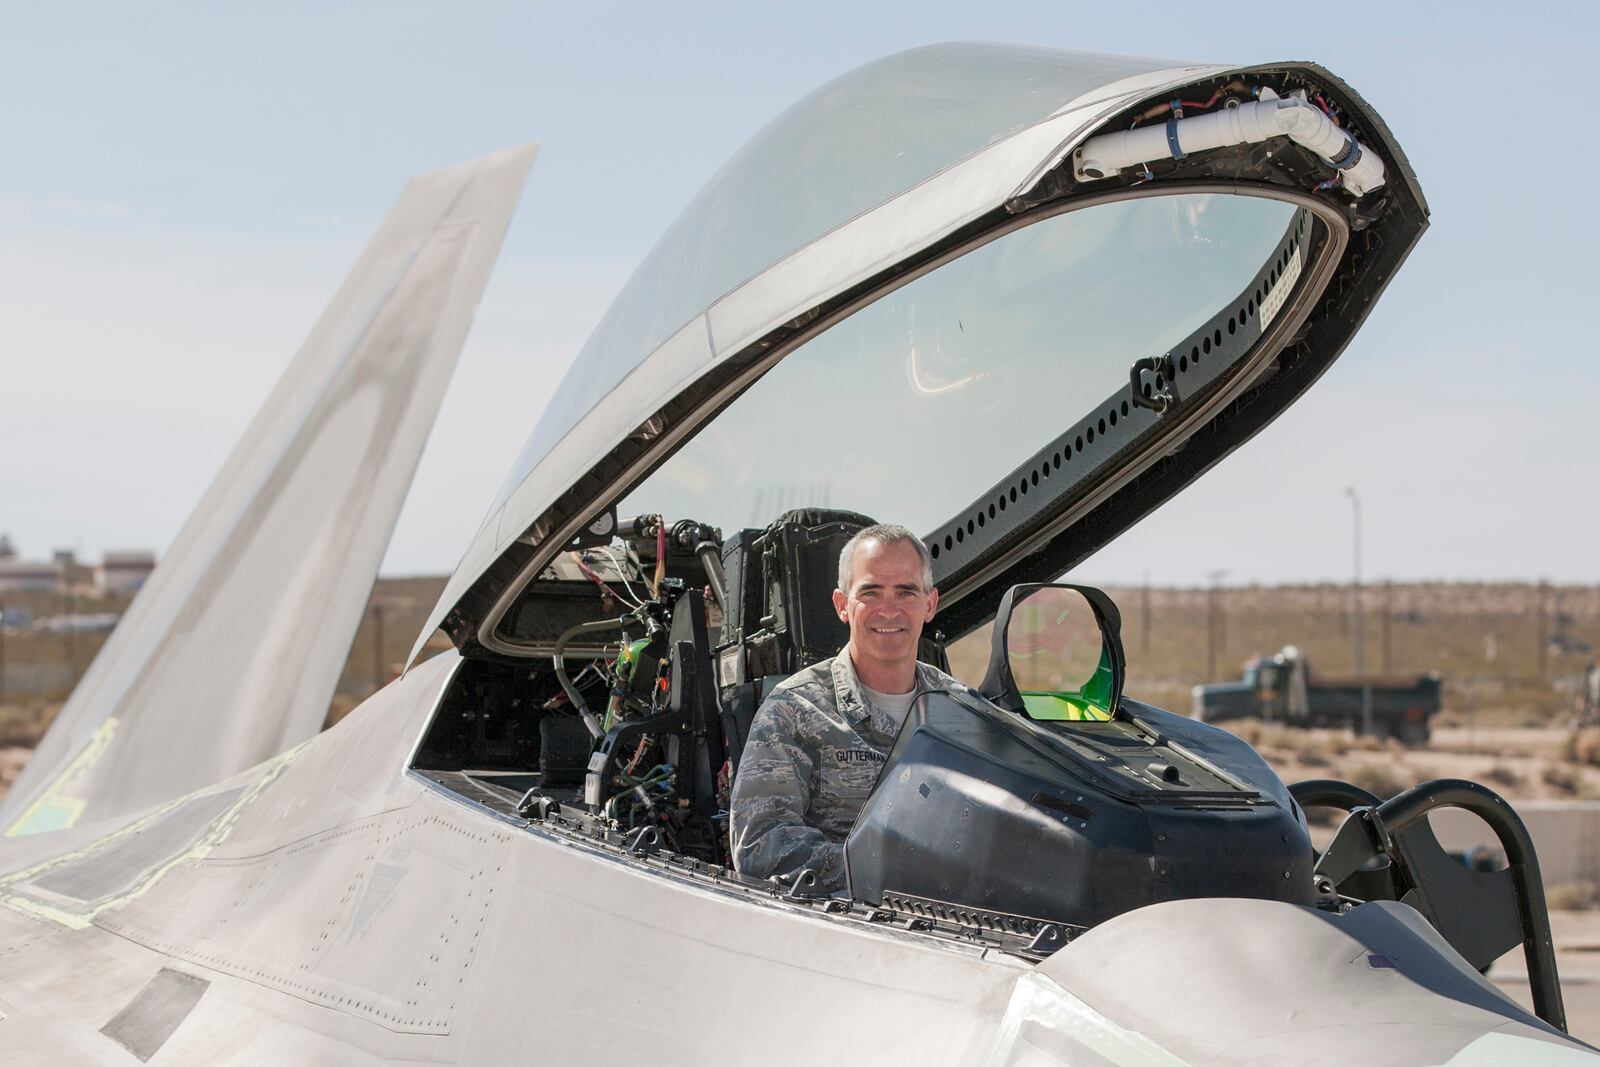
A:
<point x="184" y="186"/>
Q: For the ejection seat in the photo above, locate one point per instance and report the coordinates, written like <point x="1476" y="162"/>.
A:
<point x="780" y="616"/>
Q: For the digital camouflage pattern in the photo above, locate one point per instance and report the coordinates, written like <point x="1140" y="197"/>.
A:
<point x="814" y="752"/>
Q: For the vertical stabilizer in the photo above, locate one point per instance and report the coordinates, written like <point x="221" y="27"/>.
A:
<point x="232" y="650"/>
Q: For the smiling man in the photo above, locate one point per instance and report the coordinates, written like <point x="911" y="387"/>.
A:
<point x="818" y="742"/>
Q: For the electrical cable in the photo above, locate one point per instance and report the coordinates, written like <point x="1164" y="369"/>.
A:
<point x="559" y="663"/>
<point x="577" y="683"/>
<point x="661" y="559"/>
<point x="633" y="597"/>
<point x="589" y="573"/>
<point x="637" y="755"/>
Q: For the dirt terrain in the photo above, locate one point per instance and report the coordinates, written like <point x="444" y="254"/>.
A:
<point x="1510" y="656"/>
<point x="1518" y="763"/>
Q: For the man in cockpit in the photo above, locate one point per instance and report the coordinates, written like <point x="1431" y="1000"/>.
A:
<point x="818" y="742"/>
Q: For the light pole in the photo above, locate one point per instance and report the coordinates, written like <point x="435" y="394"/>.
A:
<point x="1144" y="615"/>
<point x="1361" y="674"/>
<point x="1213" y="624"/>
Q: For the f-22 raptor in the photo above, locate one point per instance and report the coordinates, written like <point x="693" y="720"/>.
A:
<point x="1014" y="298"/>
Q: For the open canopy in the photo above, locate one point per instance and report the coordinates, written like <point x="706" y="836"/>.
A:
<point x="958" y="310"/>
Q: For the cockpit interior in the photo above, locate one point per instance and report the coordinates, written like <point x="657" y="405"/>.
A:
<point x="660" y="640"/>
<point x="621" y="680"/>
<point x="625" y="675"/>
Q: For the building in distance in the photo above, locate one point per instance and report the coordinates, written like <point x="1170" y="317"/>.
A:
<point x="121" y="571"/>
<point x="17" y="573"/>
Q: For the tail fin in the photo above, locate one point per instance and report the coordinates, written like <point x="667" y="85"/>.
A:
<point x="232" y="650"/>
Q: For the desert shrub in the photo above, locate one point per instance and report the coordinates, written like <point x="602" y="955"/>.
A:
<point x="1583" y="746"/>
<point x="1378" y="779"/>
<point x="1366" y="743"/>
<point x="1315" y="754"/>
<point x="1561" y="776"/>
<point x="1503" y="774"/>
<point x="1572" y="896"/>
<point x="22" y="726"/>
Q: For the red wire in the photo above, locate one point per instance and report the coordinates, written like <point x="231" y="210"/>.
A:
<point x="637" y="755"/>
<point x="661" y="559"/>
<point x="588" y="572"/>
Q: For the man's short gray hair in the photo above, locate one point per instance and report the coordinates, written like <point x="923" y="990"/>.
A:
<point x="885" y="534"/>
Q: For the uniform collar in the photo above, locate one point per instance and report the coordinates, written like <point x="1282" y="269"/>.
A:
<point x="847" y="687"/>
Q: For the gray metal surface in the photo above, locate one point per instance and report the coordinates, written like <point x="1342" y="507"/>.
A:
<point x="159" y="1009"/>
<point x="349" y="913"/>
<point x="1243" y="983"/>
<point x="374" y="919"/>
<point x="231" y="651"/>
<point x="124" y="858"/>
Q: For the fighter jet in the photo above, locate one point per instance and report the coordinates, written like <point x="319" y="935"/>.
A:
<point x="1012" y="297"/>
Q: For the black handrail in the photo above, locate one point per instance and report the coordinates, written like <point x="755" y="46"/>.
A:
<point x="1388" y="819"/>
<point x="1393" y="816"/>
<point x="1329" y="793"/>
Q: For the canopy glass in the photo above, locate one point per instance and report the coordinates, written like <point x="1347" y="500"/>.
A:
<point x="971" y="368"/>
<point x="851" y="145"/>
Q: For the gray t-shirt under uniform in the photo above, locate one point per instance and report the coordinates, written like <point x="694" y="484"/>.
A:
<point x="814" y="753"/>
<point x="894" y="705"/>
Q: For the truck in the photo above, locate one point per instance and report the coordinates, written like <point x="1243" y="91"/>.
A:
<point x="1282" y="688"/>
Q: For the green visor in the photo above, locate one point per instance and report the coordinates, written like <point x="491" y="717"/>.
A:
<point x="1090" y="703"/>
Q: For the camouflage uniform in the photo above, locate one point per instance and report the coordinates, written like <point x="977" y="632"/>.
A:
<point x="813" y="755"/>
